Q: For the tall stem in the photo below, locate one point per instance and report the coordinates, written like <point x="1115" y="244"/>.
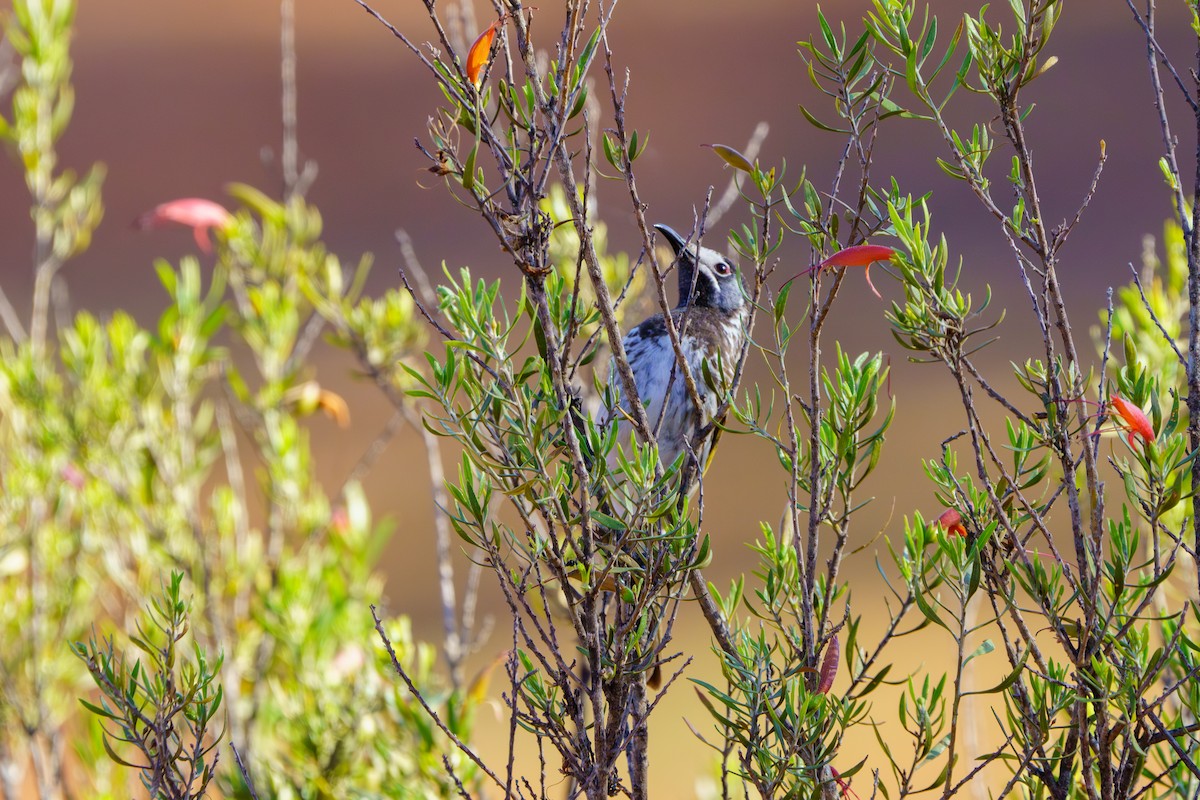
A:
<point x="289" y="156"/>
<point x="1193" y="374"/>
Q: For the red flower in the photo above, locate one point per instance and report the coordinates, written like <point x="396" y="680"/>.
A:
<point x="196" y="213"/>
<point x="951" y="523"/>
<point x="861" y="255"/>
<point x="1136" y="421"/>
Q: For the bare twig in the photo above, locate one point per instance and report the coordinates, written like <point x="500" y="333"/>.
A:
<point x="433" y="715"/>
<point x="1167" y="337"/>
<point x="366" y="462"/>
<point x="287" y="44"/>
<point x="237" y="757"/>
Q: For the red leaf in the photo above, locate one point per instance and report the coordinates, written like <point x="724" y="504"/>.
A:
<point x="829" y="665"/>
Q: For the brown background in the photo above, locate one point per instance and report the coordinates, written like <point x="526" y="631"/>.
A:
<point x="179" y="99"/>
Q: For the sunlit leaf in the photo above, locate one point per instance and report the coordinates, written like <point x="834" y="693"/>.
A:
<point x="732" y="157"/>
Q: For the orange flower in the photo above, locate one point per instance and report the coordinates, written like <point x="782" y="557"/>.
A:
<point x="196" y="213"/>
<point x="308" y="397"/>
<point x="861" y="255"/>
<point x="334" y="407"/>
<point x="477" y="56"/>
<point x="1136" y="421"/>
<point x="951" y="523"/>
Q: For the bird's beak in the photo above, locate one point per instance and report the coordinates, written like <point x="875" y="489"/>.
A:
<point x="677" y="242"/>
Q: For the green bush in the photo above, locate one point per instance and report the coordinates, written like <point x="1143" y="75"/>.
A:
<point x="130" y="454"/>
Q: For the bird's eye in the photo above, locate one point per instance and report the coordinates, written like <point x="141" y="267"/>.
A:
<point x="723" y="268"/>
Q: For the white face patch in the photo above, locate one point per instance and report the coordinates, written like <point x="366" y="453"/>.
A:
<point x="709" y="280"/>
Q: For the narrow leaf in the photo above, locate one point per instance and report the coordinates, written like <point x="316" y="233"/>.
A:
<point x="732" y="157"/>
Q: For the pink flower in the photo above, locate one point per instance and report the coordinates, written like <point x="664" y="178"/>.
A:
<point x="72" y="475"/>
<point x="339" y="520"/>
<point x="198" y="214"/>
<point x="347" y="662"/>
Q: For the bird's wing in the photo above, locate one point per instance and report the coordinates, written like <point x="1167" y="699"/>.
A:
<point x="649" y="357"/>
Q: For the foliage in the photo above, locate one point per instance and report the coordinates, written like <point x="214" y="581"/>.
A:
<point x="165" y="706"/>
<point x="123" y="452"/>
<point x="1083" y="704"/>
<point x="127" y="453"/>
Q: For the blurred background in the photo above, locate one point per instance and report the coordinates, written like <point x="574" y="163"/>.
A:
<point x="180" y="99"/>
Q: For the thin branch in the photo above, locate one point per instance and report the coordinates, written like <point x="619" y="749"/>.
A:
<point x="433" y="715"/>
<point x="453" y="642"/>
<point x="395" y="32"/>
<point x="366" y="462"/>
<point x="237" y="757"/>
<point x="1170" y="737"/>
<point x="1065" y="231"/>
<point x="1147" y="25"/>
<point x="1168" y="338"/>
<point x="287" y="63"/>
<point x="12" y="322"/>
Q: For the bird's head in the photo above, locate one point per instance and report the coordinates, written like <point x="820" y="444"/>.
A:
<point x="715" y="277"/>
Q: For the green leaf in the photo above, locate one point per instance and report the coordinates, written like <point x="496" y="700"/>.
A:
<point x="816" y="123"/>
<point x="930" y="39"/>
<point x="258" y="202"/>
<point x="987" y="646"/>
<point x="585" y="55"/>
<point x="113" y="755"/>
<point x="637" y="145"/>
<point x="732" y="157"/>
<point x="166" y="276"/>
<point x="781" y="300"/>
<point x="938" y="748"/>
<point x="877" y="679"/>
<point x="827" y="33"/>
<point x="1171" y="178"/>
<point x="926" y="609"/>
<point x="611" y="152"/>
<point x="612" y="523"/>
<point x="1008" y="681"/>
<point x="468" y="176"/>
<point x="97" y="710"/>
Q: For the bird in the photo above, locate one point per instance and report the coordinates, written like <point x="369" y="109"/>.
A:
<point x="711" y="318"/>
